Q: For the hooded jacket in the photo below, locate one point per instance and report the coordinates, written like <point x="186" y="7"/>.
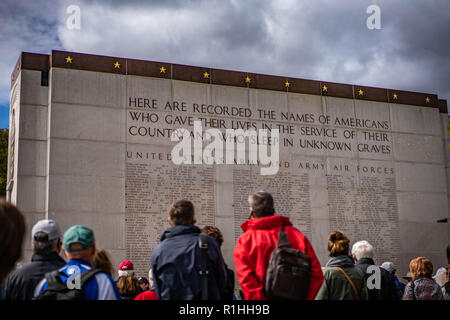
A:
<point x="254" y="249"/>
<point x="336" y="286"/>
<point x="22" y="282"/>
<point x="176" y="265"/>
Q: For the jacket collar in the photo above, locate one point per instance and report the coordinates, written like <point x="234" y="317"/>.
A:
<point x="52" y="256"/>
<point x="180" y="230"/>
<point x="368" y="261"/>
<point x="78" y="262"/>
<point x="269" y="222"/>
<point x="340" y="261"/>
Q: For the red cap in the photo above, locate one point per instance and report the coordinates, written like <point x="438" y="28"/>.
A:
<point x="126" y="265"/>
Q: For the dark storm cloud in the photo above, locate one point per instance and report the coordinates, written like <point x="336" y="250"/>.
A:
<point x="323" y="39"/>
<point x="421" y="32"/>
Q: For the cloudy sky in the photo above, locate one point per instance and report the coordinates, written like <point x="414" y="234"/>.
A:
<point x="314" y="39"/>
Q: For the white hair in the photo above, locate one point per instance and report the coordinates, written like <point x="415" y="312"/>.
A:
<point x="362" y="249"/>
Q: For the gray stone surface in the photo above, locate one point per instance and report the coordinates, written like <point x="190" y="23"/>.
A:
<point x="75" y="160"/>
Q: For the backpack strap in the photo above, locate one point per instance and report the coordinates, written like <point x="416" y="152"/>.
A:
<point x="283" y="241"/>
<point x="88" y="275"/>
<point x="203" y="245"/>
<point x="54" y="281"/>
<point x="350" y="281"/>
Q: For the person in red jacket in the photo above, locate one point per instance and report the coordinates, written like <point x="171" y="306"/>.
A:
<point x="254" y="248"/>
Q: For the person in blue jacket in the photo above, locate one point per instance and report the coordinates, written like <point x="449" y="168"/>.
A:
<point x="176" y="261"/>
<point x="79" y="248"/>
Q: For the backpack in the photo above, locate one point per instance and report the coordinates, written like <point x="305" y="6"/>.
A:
<point x="288" y="272"/>
<point x="203" y="245"/>
<point x="57" y="290"/>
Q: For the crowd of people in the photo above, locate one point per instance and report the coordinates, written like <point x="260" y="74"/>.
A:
<point x="188" y="264"/>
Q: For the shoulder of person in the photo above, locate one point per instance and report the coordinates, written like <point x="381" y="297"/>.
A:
<point x="104" y="285"/>
<point x="331" y="272"/>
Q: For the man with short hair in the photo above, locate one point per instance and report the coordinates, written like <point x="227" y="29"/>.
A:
<point x="254" y="248"/>
<point x="79" y="248"/>
<point x="46" y="243"/>
<point x="176" y="261"/>
<point x="363" y="254"/>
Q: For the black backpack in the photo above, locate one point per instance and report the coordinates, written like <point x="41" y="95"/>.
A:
<point x="57" y="290"/>
<point x="288" y="272"/>
<point x="203" y="245"/>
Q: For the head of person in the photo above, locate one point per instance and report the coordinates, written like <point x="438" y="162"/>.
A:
<point x="181" y="212"/>
<point x="338" y="244"/>
<point x="389" y="266"/>
<point x="12" y="233"/>
<point x="79" y="243"/>
<point x="143" y="283"/>
<point x="441" y="277"/>
<point x="103" y="262"/>
<point x="46" y="237"/>
<point x="261" y="205"/>
<point x="213" y="232"/>
<point x="421" y="266"/>
<point x="126" y="268"/>
<point x="128" y="286"/>
<point x="362" y="249"/>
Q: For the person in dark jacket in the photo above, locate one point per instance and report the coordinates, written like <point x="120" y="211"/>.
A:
<point x="390" y="266"/>
<point x="380" y="283"/>
<point x="422" y="285"/>
<point x="46" y="241"/>
<point x="217" y="235"/>
<point x="176" y="261"/>
<point x="342" y="280"/>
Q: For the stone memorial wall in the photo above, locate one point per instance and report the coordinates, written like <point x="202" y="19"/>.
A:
<point x="94" y="147"/>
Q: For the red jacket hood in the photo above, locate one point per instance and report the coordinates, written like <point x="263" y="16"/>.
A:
<point x="266" y="223"/>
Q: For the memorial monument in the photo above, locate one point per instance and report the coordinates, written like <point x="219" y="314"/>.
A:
<point x="90" y="143"/>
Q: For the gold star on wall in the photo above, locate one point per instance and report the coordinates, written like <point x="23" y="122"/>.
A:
<point x="427" y="100"/>
<point x="360" y="92"/>
<point x="206" y="75"/>
<point x="287" y="84"/>
<point x="395" y="96"/>
<point x="324" y="88"/>
<point x="162" y="70"/>
<point x="69" y="59"/>
<point x="247" y="79"/>
<point x="117" y="65"/>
